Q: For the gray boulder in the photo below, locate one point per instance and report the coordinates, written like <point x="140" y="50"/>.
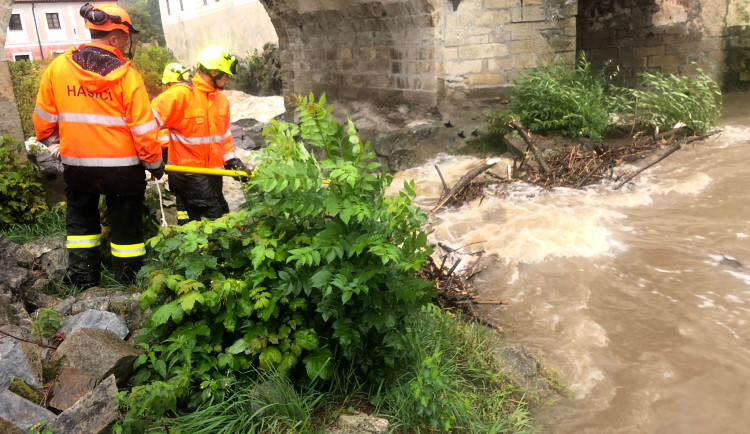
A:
<point x="13" y="363"/>
<point x="14" y="280"/>
<point x="96" y="319"/>
<point x="93" y="414"/>
<point x="21" y="413"/>
<point x="98" y="353"/>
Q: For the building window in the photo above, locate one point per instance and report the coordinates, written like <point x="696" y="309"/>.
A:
<point x="15" y="22"/>
<point x="22" y="57"/>
<point x="53" y="21"/>
<point x="168" y="11"/>
<point x="181" y="8"/>
<point x="205" y="2"/>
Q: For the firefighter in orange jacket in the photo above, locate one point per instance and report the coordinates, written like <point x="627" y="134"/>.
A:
<point x="173" y="73"/>
<point x="97" y="103"/>
<point x="196" y="114"/>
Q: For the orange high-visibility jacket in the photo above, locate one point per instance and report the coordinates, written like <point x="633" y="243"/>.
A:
<point x="164" y="138"/>
<point x="103" y="121"/>
<point x="197" y="117"/>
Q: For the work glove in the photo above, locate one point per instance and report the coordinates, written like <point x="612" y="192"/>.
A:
<point x="53" y="145"/>
<point x="236" y="164"/>
<point x="54" y="150"/>
<point x="158" y="172"/>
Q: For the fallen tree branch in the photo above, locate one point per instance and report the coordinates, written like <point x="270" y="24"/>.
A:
<point x="526" y="136"/>
<point x="661" y="136"/>
<point x="483" y="302"/>
<point x="464" y="181"/>
<point x="26" y="340"/>
<point x="709" y="134"/>
<point x="445" y="187"/>
<point x="665" y="155"/>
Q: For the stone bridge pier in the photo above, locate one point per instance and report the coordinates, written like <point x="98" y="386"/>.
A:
<point x="426" y="52"/>
<point x="455" y="53"/>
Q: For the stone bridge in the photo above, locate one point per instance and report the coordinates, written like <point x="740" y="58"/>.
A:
<point x="451" y="53"/>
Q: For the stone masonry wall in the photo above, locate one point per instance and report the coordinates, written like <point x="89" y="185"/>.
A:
<point x="418" y="51"/>
<point x="652" y="35"/>
<point x="10" y="122"/>
<point x="488" y="43"/>
<point x="383" y="51"/>
<point x="737" y="46"/>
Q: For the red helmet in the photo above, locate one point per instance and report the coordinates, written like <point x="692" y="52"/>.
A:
<point x="107" y="17"/>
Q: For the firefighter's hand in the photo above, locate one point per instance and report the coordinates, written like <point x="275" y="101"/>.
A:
<point x="158" y="172"/>
<point x="235" y="164"/>
<point x="54" y="150"/>
<point x="53" y="145"/>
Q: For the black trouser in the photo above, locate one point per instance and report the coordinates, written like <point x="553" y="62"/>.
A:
<point x="189" y="210"/>
<point x="84" y="236"/>
<point x="197" y="196"/>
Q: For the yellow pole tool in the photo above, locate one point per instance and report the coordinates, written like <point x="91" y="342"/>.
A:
<point x="206" y="171"/>
<point x="218" y="172"/>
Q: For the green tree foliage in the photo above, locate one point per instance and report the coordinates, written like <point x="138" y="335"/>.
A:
<point x="147" y="19"/>
<point x="150" y="62"/>
<point x="319" y="270"/>
<point x="22" y="196"/>
<point x="25" y="76"/>
<point x="260" y="74"/>
<point x="668" y="99"/>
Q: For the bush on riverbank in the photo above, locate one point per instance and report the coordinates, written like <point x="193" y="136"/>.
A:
<point x="582" y="102"/>
<point x="312" y="276"/>
<point x="449" y="382"/>
<point x="25" y="76"/>
<point x="22" y="196"/>
<point x="260" y="73"/>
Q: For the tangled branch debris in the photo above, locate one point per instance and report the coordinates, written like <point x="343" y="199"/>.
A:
<point x="579" y="166"/>
<point x="569" y="166"/>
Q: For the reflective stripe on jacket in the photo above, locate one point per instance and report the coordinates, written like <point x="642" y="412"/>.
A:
<point x="103" y="121"/>
<point x="197" y="117"/>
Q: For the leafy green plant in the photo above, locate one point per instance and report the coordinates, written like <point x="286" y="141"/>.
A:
<point x="46" y="323"/>
<point x="431" y="392"/>
<point x="260" y="74"/>
<point x="150" y="62"/>
<point x="22" y="196"/>
<point x="668" y="99"/>
<point x="310" y="275"/>
<point x="577" y="102"/>
<point x="451" y="382"/>
<point x="25" y="76"/>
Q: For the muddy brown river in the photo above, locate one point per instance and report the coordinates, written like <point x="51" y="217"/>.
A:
<point x="639" y="299"/>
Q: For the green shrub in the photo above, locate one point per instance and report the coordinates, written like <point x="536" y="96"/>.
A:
<point x="668" y="99"/>
<point x="309" y="276"/>
<point x="573" y="101"/>
<point x="25" y="76"/>
<point x="22" y="196"/>
<point x="150" y="62"/>
<point x="260" y="74"/>
<point x="46" y="323"/>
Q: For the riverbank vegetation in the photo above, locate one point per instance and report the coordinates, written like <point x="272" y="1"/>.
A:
<point x="573" y="110"/>
<point x="311" y="294"/>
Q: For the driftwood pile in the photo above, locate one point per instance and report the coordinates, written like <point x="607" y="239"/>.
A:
<point x="579" y="166"/>
<point x="570" y="166"/>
